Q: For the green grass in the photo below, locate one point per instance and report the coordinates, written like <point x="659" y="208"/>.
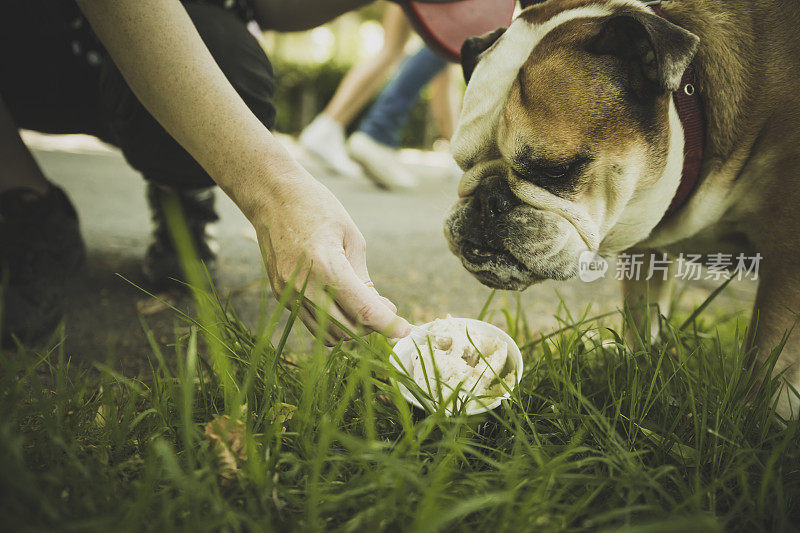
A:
<point x="602" y="434"/>
<point x="598" y="436"/>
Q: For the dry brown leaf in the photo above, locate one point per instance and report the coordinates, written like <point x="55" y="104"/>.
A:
<point x="229" y="440"/>
<point x="281" y="412"/>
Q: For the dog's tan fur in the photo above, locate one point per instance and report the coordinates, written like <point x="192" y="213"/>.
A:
<point x="563" y="99"/>
<point x="748" y="69"/>
<point x="563" y="72"/>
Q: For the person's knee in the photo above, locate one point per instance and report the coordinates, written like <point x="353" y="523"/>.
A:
<point x="240" y="57"/>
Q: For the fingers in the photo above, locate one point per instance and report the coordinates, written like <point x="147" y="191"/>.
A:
<point x="355" y="301"/>
<point x="311" y="323"/>
<point x="388" y="303"/>
<point x="355" y="249"/>
<point x="313" y="308"/>
<point x="356" y="253"/>
<point x="363" y="304"/>
<point x="318" y="303"/>
<point x="385" y="301"/>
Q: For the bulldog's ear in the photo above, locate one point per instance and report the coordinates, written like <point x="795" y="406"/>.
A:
<point x="472" y="49"/>
<point x="656" y="51"/>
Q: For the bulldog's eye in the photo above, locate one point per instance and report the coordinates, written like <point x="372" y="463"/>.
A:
<point x="559" y="179"/>
<point x="553" y="172"/>
<point x="536" y="173"/>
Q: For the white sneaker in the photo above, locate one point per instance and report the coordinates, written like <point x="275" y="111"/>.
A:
<point x="380" y="162"/>
<point x="324" y="138"/>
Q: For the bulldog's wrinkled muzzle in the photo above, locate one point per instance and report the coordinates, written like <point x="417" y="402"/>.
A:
<point x="506" y="243"/>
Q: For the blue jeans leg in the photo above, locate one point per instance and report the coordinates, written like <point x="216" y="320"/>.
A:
<point x="389" y="113"/>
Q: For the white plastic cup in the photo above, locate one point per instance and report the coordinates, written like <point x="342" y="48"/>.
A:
<point x="406" y="351"/>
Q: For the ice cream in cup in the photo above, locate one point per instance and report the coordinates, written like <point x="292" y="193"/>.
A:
<point x="461" y="361"/>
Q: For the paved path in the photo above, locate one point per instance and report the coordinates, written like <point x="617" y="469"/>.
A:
<point x="408" y="257"/>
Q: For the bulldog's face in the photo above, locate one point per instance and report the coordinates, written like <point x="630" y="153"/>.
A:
<point x="568" y="139"/>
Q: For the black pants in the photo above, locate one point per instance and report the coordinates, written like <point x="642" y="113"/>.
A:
<point x="55" y="77"/>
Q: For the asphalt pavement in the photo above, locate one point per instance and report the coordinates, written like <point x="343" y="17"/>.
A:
<point x="408" y="258"/>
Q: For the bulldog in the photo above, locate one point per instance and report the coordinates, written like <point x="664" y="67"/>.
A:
<point x="570" y="140"/>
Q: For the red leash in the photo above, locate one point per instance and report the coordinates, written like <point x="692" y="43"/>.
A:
<point x="690" y="111"/>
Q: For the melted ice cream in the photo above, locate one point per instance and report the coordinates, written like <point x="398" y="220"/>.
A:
<point x="474" y="361"/>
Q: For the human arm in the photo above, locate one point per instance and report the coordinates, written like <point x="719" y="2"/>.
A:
<point x="163" y="59"/>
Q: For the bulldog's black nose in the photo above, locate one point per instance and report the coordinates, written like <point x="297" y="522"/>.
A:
<point x="493" y="198"/>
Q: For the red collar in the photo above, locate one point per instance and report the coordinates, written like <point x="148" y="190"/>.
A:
<point x="690" y="111"/>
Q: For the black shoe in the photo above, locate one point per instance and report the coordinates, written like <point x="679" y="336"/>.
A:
<point x="161" y="262"/>
<point x="41" y="250"/>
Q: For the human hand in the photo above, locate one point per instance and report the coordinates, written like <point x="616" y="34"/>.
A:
<point x="298" y="221"/>
<point x="305" y="232"/>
